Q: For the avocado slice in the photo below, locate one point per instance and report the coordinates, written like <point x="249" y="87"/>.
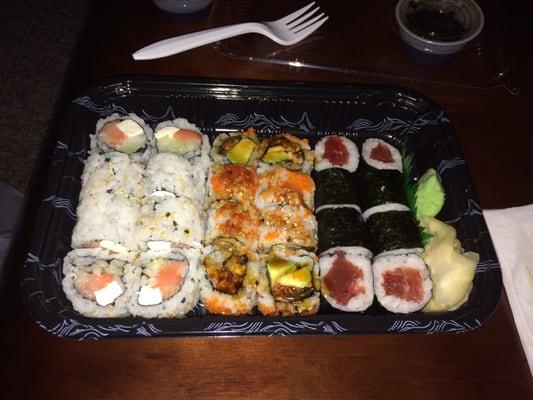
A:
<point x="167" y="144"/>
<point x="298" y="279"/>
<point x="241" y="152"/>
<point x="276" y="154"/>
<point x="278" y="267"/>
<point x="132" y="144"/>
<point x="429" y="196"/>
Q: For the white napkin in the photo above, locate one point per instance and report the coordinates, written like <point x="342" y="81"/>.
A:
<point x="512" y="233"/>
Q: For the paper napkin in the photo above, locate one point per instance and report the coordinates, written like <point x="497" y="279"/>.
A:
<point x="512" y="233"/>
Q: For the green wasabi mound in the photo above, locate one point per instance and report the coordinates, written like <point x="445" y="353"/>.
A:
<point x="429" y="195"/>
<point x="451" y="270"/>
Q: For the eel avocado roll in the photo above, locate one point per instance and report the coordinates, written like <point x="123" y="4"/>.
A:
<point x="288" y="225"/>
<point x="170" y="175"/>
<point x="97" y="284"/>
<point x="165" y="283"/>
<point x="336" y="152"/>
<point x="229" y="274"/>
<point x="109" y="204"/>
<point x="232" y="182"/>
<point x="401" y="282"/>
<point x="289" y="284"/>
<point x="170" y="222"/>
<point x="127" y="134"/>
<point x="233" y="219"/>
<point x="334" y="186"/>
<point x="279" y="186"/>
<point x="240" y="147"/>
<point x="341" y="226"/>
<point x="379" y="177"/>
<point x="394" y="231"/>
<point x="286" y="151"/>
<point x="346" y="278"/>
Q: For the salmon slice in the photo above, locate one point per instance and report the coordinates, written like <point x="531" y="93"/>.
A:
<point x="111" y="134"/>
<point x="87" y="284"/>
<point x="188" y="136"/>
<point x="170" y="277"/>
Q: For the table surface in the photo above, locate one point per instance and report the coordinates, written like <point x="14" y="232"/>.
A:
<point x="493" y="128"/>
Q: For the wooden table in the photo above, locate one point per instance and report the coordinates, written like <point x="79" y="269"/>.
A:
<point x="494" y="129"/>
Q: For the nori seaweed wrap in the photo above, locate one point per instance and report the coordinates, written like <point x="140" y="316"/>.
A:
<point x="375" y="187"/>
<point x="341" y="226"/>
<point x="393" y="230"/>
<point x="334" y="186"/>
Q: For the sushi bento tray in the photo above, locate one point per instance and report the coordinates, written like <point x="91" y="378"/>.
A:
<point x="186" y="207"/>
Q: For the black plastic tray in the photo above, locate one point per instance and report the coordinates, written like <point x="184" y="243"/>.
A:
<point x="216" y="106"/>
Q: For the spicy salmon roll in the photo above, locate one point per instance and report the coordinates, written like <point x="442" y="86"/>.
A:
<point x="127" y="134"/>
<point x="280" y="186"/>
<point x="289" y="284"/>
<point x="229" y="272"/>
<point x="170" y="222"/>
<point x="232" y="182"/>
<point x="240" y="147"/>
<point x="109" y="204"/>
<point x="287" y="151"/>
<point x="170" y="175"/>
<point x="336" y="152"/>
<point x="401" y="282"/>
<point x="288" y="225"/>
<point x="165" y="283"/>
<point x="346" y="278"/>
<point x="96" y="284"/>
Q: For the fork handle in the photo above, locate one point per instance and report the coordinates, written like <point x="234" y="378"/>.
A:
<point x="178" y="44"/>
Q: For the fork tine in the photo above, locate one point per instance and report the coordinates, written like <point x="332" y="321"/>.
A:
<point x="295" y="14"/>
<point x="302" y="26"/>
<point x="302" y="18"/>
<point x="302" y="34"/>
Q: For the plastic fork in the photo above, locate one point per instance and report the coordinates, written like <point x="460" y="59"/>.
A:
<point x="285" y="31"/>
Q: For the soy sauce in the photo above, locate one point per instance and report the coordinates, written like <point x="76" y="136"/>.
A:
<point x="434" y="23"/>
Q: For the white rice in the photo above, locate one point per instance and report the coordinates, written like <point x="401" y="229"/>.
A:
<point x="109" y="201"/>
<point x="394" y="303"/>
<point x="326" y="206"/>
<point x="369" y="144"/>
<point x="384" y="208"/>
<point x="358" y="302"/>
<point x="322" y="163"/>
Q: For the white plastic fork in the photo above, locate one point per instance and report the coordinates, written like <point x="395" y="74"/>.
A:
<point x="285" y="31"/>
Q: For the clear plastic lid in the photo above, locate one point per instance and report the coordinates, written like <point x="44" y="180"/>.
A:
<point x="360" y="38"/>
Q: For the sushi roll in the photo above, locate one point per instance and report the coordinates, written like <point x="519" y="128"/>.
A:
<point x="235" y="220"/>
<point x="280" y="186"/>
<point x="287" y="151"/>
<point x="394" y="231"/>
<point x="334" y="186"/>
<point x="336" y="152"/>
<point x="127" y="134"/>
<point x="229" y="272"/>
<point x="379" y="177"/>
<point x="165" y="283"/>
<point x="170" y="175"/>
<point x="109" y="204"/>
<point x="401" y="282"/>
<point x="341" y="225"/>
<point x="232" y="182"/>
<point x="96" y="284"/>
<point x="289" y="225"/>
<point x="240" y="147"/>
<point x="289" y="284"/>
<point x="346" y="278"/>
<point x="180" y="137"/>
<point x="170" y="222"/>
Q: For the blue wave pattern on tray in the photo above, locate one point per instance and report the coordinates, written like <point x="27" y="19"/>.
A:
<point x="389" y="124"/>
<point x="108" y="109"/>
<point x="449" y="164"/>
<point x="487" y="265"/>
<point x="167" y="114"/>
<point x="76" y="330"/>
<point x="62" y="147"/>
<point x="472" y="209"/>
<point x="435" y="326"/>
<point x="265" y="123"/>
<point x="65" y="204"/>
<point x="276" y="328"/>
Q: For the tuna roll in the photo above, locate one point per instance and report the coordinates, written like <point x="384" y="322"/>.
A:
<point x="336" y="152"/>
<point x="334" y="186"/>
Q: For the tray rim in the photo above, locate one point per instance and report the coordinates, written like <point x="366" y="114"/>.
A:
<point x="318" y="324"/>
